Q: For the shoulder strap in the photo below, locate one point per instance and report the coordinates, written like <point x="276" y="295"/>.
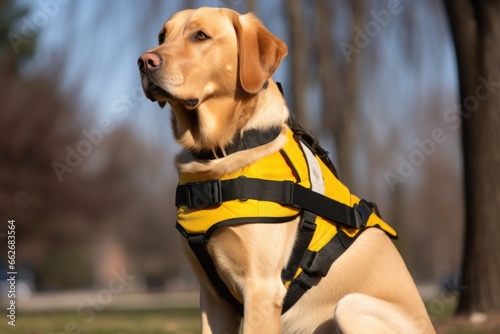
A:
<point x="307" y="223"/>
<point x="305" y="233"/>
<point x="307" y="138"/>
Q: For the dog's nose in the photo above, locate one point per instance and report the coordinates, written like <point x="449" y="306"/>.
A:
<point x="148" y="62"/>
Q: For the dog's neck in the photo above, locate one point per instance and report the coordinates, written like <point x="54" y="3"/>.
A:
<point x="221" y="120"/>
<point x="262" y="113"/>
<point x="243" y="141"/>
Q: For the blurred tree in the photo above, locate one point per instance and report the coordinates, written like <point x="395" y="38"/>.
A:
<point x="338" y="80"/>
<point x="59" y="220"/>
<point x="339" y="84"/>
<point x="14" y="46"/>
<point x="33" y="134"/>
<point x="29" y="128"/>
<point x="475" y="25"/>
<point x="345" y="120"/>
<point x="298" y="53"/>
<point x="251" y="6"/>
<point x="59" y="223"/>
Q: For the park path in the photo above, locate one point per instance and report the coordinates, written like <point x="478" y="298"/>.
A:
<point x="71" y="300"/>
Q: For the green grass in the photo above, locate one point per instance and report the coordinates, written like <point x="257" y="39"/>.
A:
<point x="178" y="321"/>
<point x="441" y="310"/>
<point x="112" y="322"/>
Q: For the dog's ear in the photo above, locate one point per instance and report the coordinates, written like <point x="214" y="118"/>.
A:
<point x="259" y="52"/>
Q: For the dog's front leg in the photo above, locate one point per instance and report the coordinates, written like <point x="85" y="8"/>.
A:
<point x="263" y="304"/>
<point x="217" y="316"/>
<point x="250" y="258"/>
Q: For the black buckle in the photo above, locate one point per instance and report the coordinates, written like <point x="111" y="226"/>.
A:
<point x="318" y="263"/>
<point x="362" y="212"/>
<point x="206" y="194"/>
<point x="307" y="281"/>
<point x="308" y="221"/>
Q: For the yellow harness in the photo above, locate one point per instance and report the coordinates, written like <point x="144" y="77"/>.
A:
<point x="277" y="189"/>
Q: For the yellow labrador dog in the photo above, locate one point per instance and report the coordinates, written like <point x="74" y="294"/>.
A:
<point x="213" y="67"/>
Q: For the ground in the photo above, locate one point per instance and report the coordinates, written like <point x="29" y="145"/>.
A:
<point x="463" y="325"/>
<point x="62" y="313"/>
<point x="185" y="321"/>
<point x="182" y="321"/>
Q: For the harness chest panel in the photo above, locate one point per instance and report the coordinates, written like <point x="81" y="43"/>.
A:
<point x="258" y="193"/>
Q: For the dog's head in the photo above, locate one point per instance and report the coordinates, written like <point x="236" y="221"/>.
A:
<point x="210" y="64"/>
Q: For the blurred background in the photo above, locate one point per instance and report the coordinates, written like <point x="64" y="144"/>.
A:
<point x="86" y="161"/>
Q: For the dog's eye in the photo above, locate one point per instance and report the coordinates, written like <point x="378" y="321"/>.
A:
<point x="161" y="37"/>
<point x="200" y="36"/>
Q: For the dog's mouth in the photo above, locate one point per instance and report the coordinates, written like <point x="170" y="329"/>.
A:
<point x="156" y="93"/>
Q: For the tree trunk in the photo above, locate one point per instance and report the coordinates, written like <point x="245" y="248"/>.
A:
<point x="339" y="88"/>
<point x="251" y="6"/>
<point x="346" y="140"/>
<point x="332" y="98"/>
<point x="298" y="55"/>
<point x="475" y="27"/>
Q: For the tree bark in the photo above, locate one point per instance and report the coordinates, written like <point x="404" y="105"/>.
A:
<point x="251" y="6"/>
<point x="339" y="88"/>
<point x="299" y="61"/>
<point x="475" y="25"/>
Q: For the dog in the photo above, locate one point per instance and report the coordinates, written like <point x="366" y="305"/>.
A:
<point x="213" y="66"/>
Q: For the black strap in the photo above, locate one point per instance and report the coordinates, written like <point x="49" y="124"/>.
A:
<point x="198" y="244"/>
<point x="211" y="193"/>
<point x="305" y="233"/>
<point x="280" y="87"/>
<point x="250" y="139"/>
<point x="304" y="136"/>
<point x="315" y="265"/>
<point x="297" y="288"/>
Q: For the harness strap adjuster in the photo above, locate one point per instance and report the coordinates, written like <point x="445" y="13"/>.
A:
<point x="308" y="222"/>
<point x="287" y="195"/>
<point x="362" y="212"/>
<point x="316" y="263"/>
<point x="242" y="188"/>
<point x="307" y="281"/>
<point x="201" y="195"/>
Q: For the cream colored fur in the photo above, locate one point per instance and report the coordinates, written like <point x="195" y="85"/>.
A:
<point x="223" y="61"/>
